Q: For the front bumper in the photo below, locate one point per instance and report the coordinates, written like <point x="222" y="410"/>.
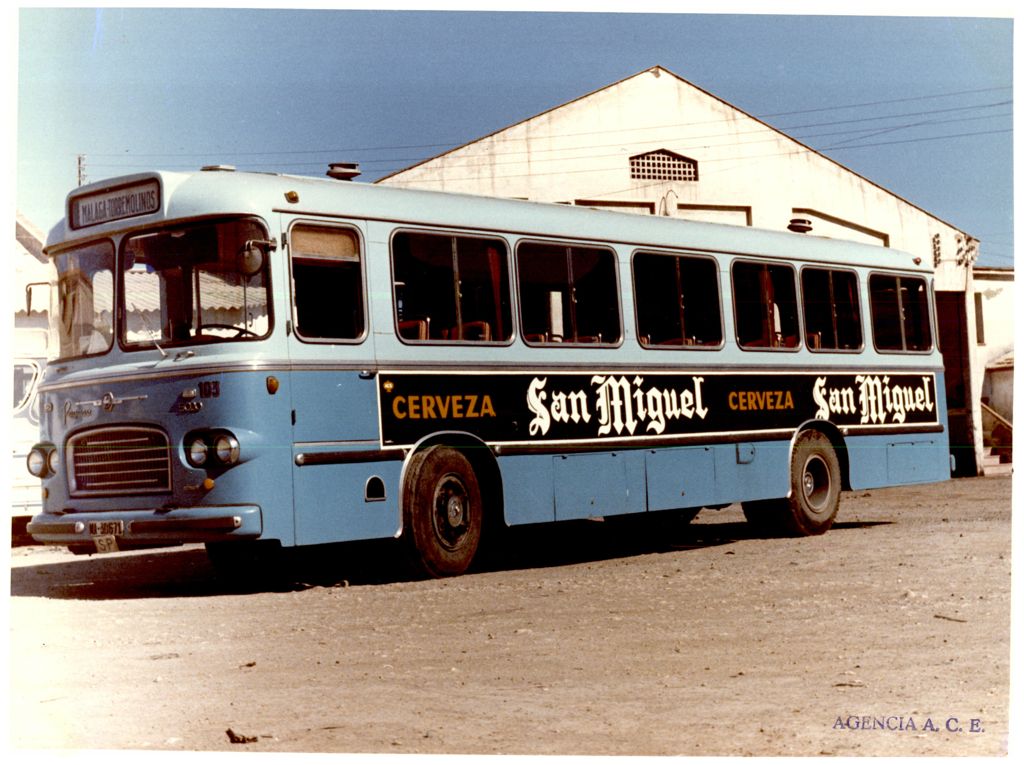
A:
<point x="148" y="527"/>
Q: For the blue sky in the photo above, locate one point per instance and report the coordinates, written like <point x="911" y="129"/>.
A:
<point x="920" y="105"/>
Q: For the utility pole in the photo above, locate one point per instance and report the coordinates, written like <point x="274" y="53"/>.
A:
<point x="81" y="169"/>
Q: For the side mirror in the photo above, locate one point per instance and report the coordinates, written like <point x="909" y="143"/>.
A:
<point x="251" y="256"/>
<point x="28" y="294"/>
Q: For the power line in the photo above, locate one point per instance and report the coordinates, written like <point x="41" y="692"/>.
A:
<point x="561" y="171"/>
<point x="772" y="135"/>
<point x="457" y="143"/>
<point x="890" y="101"/>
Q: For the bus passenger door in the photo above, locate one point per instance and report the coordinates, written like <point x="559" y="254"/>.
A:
<point x="342" y="490"/>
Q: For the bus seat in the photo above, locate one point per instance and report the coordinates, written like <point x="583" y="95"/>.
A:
<point x="415" y="329"/>
<point x="473" y="330"/>
<point x="480" y="329"/>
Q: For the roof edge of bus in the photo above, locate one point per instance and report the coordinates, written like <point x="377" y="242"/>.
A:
<point x="171" y="181"/>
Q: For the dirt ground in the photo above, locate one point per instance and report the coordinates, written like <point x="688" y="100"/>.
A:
<point x="887" y="636"/>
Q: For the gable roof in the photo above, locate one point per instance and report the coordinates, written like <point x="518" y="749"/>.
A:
<point x="29" y="237"/>
<point x="658" y="70"/>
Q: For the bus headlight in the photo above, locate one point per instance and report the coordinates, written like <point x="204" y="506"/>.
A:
<point x="212" y="449"/>
<point x="42" y="461"/>
<point x="227" y="449"/>
<point x="36" y="462"/>
<point x="197" y="452"/>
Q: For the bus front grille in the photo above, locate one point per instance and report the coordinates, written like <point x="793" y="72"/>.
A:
<point x="124" y="460"/>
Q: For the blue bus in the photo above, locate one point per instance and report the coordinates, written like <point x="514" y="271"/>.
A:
<point x="257" y="361"/>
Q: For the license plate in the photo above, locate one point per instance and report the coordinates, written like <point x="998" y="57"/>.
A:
<point x="106" y="543"/>
<point x="106" y="528"/>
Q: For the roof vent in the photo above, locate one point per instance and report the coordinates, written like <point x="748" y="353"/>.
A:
<point x="799" y="225"/>
<point x="343" y="171"/>
<point x="217" y="168"/>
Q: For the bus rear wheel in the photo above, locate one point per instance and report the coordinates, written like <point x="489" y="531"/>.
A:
<point x="442" y="512"/>
<point x="813" y="502"/>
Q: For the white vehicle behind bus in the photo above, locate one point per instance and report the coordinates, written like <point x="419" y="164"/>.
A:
<point x="29" y="353"/>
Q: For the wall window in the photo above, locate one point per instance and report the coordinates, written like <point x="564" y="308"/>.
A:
<point x="662" y="165"/>
<point x="979" y="317"/>
<point x="899" y="313"/>
<point x="451" y="288"/>
<point x="676" y="301"/>
<point x="328" y="283"/>
<point x="764" y="296"/>
<point x="831" y="310"/>
<point x="568" y="294"/>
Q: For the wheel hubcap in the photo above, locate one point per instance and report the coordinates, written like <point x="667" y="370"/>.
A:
<point x="455" y="511"/>
<point x="817" y="483"/>
<point x="451" y="511"/>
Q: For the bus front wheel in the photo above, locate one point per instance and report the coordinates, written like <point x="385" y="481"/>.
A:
<point x="442" y="512"/>
<point x="813" y="502"/>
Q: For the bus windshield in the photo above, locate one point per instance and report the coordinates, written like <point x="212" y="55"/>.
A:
<point x="197" y="283"/>
<point x="85" y="290"/>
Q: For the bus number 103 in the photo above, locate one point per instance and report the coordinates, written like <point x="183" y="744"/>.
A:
<point x="209" y="389"/>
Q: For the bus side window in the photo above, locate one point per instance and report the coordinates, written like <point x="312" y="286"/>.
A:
<point x="764" y="296"/>
<point x="676" y="301"/>
<point x="568" y="294"/>
<point x="451" y="288"/>
<point x="831" y="309"/>
<point x="899" y="313"/>
<point x="328" y="283"/>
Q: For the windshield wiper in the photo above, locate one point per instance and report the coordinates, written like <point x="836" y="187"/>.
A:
<point x="149" y="328"/>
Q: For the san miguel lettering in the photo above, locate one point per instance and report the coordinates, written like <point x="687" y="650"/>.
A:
<point x="619" y="403"/>
<point x="534" y="408"/>
<point x="876" y="400"/>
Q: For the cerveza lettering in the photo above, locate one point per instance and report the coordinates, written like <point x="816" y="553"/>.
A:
<point x="760" y="400"/>
<point x="442" y="407"/>
<point x="877" y="401"/>
<point x="620" y="405"/>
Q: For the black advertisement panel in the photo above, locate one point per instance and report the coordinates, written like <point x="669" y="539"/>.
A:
<point x="539" y="408"/>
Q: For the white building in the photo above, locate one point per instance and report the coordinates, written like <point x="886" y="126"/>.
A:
<point x="31" y="267"/>
<point x="655" y="144"/>
<point x="994" y="300"/>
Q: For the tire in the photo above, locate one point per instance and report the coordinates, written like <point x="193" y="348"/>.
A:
<point x="815" y="481"/>
<point x="442" y="512"/>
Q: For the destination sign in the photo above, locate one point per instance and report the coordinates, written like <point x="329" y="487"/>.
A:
<point x="115" y="204"/>
<point x="546" y="407"/>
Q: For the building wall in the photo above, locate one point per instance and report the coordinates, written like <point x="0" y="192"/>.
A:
<point x="994" y="299"/>
<point x="996" y="294"/>
<point x="30" y="266"/>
